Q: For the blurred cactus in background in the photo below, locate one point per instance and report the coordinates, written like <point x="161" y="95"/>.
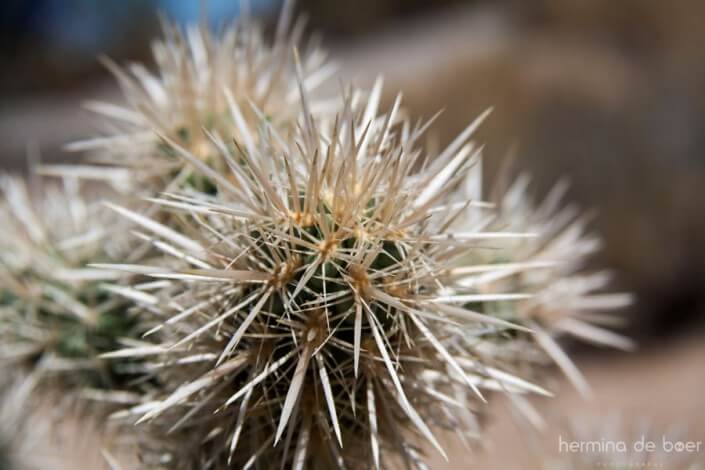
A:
<point x="55" y="316"/>
<point x="566" y="299"/>
<point x="204" y="81"/>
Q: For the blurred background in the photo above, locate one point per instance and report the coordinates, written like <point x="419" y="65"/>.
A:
<point x="609" y="94"/>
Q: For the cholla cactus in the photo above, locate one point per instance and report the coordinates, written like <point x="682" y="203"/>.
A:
<point x="322" y="293"/>
<point x="565" y="298"/>
<point x="51" y="307"/>
<point x="316" y="319"/>
<point x="203" y="81"/>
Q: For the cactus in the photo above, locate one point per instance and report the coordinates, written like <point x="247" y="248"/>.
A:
<point x="310" y="287"/>
<point x="54" y="313"/>
<point x="316" y="305"/>
<point x="566" y="299"/>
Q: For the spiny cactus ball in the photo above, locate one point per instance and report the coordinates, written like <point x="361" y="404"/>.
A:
<point x="316" y="319"/>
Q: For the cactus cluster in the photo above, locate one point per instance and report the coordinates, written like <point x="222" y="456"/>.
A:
<point x="294" y="280"/>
